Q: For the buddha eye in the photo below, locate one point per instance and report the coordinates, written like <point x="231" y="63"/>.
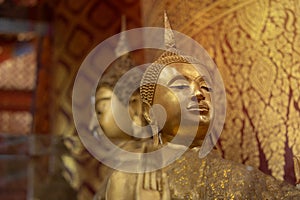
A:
<point x="102" y="105"/>
<point x="180" y="84"/>
<point x="206" y="88"/>
<point x="180" y="87"/>
<point x="101" y="108"/>
<point x="203" y="86"/>
<point x="99" y="112"/>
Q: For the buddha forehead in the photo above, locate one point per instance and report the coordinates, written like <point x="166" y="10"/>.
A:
<point x="186" y="70"/>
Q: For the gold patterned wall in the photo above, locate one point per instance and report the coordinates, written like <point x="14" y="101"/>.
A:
<point x="78" y="27"/>
<point x="256" y="46"/>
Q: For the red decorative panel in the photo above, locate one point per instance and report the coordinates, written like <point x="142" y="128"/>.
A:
<point x="18" y="73"/>
<point x="15" y="122"/>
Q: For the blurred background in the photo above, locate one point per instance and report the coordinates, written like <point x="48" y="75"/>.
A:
<point x="255" y="44"/>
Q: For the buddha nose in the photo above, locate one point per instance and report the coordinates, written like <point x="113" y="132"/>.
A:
<point x="197" y="94"/>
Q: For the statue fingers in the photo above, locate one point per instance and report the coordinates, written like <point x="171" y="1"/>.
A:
<point x="139" y="185"/>
<point x="146" y="184"/>
<point x="165" y="187"/>
<point x="159" y="181"/>
<point x="153" y="183"/>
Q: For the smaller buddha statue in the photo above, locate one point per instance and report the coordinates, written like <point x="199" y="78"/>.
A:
<point x="105" y="93"/>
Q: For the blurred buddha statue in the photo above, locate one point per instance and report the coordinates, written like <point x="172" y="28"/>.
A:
<point x="174" y="82"/>
<point x="104" y="91"/>
<point x="106" y="120"/>
<point x="104" y="105"/>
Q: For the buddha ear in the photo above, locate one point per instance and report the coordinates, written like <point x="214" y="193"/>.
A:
<point x="152" y="122"/>
<point x="146" y="112"/>
<point x="135" y="108"/>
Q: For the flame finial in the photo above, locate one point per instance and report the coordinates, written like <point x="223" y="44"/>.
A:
<point x="169" y="35"/>
<point x="122" y="46"/>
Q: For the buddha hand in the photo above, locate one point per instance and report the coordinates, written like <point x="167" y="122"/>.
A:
<point x="152" y="185"/>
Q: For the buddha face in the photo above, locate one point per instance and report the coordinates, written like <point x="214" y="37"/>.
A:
<point x="105" y="116"/>
<point x="180" y="84"/>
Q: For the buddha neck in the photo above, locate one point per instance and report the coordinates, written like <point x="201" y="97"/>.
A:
<point x="195" y="142"/>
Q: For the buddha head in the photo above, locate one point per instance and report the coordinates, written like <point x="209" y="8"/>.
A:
<point x="109" y="101"/>
<point x="175" y="83"/>
<point x="103" y="104"/>
<point x="111" y="98"/>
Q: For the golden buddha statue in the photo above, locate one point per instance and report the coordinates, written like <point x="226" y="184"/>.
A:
<point x="175" y="82"/>
<point x="191" y="177"/>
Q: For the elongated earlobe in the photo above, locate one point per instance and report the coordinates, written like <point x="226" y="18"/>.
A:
<point x="152" y="122"/>
<point x="146" y="113"/>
